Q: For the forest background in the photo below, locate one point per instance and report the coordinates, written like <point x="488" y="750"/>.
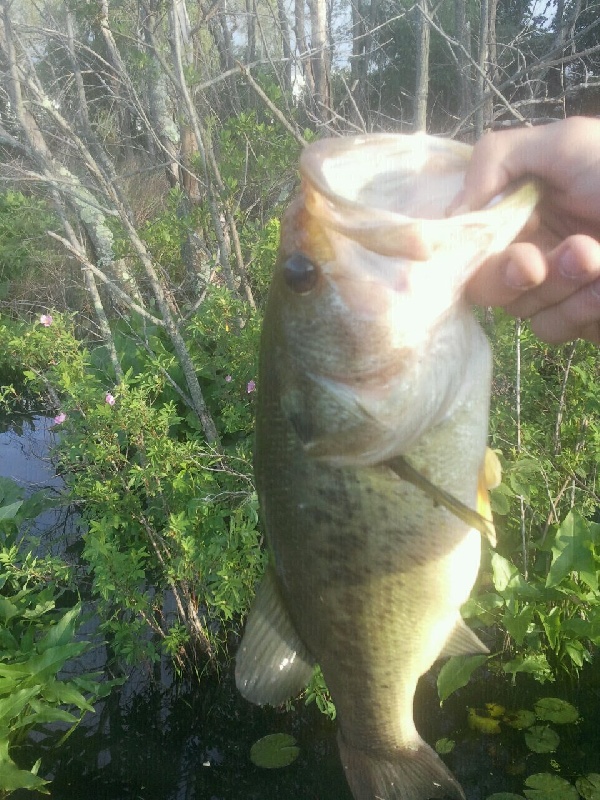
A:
<point x="147" y="151"/>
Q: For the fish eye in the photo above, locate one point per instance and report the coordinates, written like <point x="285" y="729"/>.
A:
<point x="300" y="274"/>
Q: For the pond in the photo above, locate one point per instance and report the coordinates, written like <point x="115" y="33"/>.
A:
<point x="158" y="739"/>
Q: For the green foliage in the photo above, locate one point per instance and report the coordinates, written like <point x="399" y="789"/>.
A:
<point x="170" y="523"/>
<point x="317" y="692"/>
<point x="553" y="616"/>
<point x="456" y="673"/>
<point x="38" y="636"/>
<point x="258" y="163"/>
<point x="224" y="341"/>
<point x="541" y="586"/>
<point x="24" y="243"/>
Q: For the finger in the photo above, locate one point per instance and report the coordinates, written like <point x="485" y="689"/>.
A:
<point x="572" y="265"/>
<point x="564" y="154"/>
<point x="577" y="317"/>
<point x="503" y="278"/>
<point x="497" y="159"/>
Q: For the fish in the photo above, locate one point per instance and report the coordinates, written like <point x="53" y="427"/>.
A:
<point x="371" y="461"/>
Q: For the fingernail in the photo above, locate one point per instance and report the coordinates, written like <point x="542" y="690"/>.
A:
<point x="514" y="278"/>
<point x="568" y="264"/>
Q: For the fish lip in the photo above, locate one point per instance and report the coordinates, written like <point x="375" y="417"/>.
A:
<point x="357" y="186"/>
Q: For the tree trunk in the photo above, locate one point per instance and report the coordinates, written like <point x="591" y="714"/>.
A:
<point x="463" y="36"/>
<point x="482" y="61"/>
<point x="359" y="63"/>
<point x="285" y="44"/>
<point x="319" y="58"/>
<point x="422" y="77"/>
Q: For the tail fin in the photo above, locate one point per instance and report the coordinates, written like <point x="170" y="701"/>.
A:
<point x="403" y="774"/>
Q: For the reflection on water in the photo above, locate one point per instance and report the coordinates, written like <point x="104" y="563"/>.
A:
<point x="193" y="744"/>
<point x="25" y="444"/>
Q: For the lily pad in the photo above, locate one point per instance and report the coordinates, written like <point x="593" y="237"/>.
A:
<point x="443" y="746"/>
<point x="494" y="710"/>
<point x="520" y="719"/>
<point x="589" y="787"/>
<point x="556" y="710"/>
<point x="542" y="739"/>
<point x="479" y="720"/>
<point x="545" y="786"/>
<point x="274" y="751"/>
<point x="504" y="796"/>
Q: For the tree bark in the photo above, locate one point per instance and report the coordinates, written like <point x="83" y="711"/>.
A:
<point x="482" y="60"/>
<point x="422" y="76"/>
<point x="319" y="59"/>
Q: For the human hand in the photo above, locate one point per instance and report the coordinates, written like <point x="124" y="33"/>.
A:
<point x="551" y="275"/>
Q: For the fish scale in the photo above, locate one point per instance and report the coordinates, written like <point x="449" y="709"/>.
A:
<point x="370" y="451"/>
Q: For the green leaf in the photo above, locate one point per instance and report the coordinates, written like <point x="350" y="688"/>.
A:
<point x="7" y="610"/>
<point x="444" y="746"/>
<point x="552" y="623"/>
<point x="509" y="581"/>
<point x="43" y="714"/>
<point x="479" y="720"/>
<point x="521" y="719"/>
<point x="62" y="633"/>
<point x="518" y="624"/>
<point x="544" y="786"/>
<point x="504" y="796"/>
<point x="65" y="693"/>
<point x="542" y="739"/>
<point x="589" y="786"/>
<point x="577" y="653"/>
<point x="13" y="778"/>
<point x="456" y="673"/>
<point x="535" y="664"/>
<point x="572" y="552"/>
<point x="12" y="706"/>
<point x="274" y="751"/>
<point x="10" y="511"/>
<point x="556" y="710"/>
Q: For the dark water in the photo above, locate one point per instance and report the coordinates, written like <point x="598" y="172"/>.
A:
<point x="155" y="739"/>
<point x="193" y="744"/>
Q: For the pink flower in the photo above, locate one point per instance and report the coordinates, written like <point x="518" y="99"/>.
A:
<point x="110" y="399"/>
<point x="228" y="378"/>
<point x="46" y="320"/>
<point x="60" y="418"/>
<point x="251" y="386"/>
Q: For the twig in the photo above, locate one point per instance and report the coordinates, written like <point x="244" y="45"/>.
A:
<point x="87" y="264"/>
<point x="271" y="106"/>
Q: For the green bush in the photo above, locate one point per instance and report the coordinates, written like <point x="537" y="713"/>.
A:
<point x="38" y="637"/>
<point x="171" y="543"/>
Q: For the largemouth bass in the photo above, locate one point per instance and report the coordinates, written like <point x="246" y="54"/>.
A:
<point x="371" y="431"/>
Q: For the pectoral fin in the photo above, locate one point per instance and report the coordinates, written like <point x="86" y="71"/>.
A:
<point x="272" y="663"/>
<point x="462" y="641"/>
<point x="481" y="522"/>
<point x="490" y="476"/>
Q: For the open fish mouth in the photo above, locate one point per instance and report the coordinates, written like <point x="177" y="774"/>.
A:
<point x="391" y="192"/>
